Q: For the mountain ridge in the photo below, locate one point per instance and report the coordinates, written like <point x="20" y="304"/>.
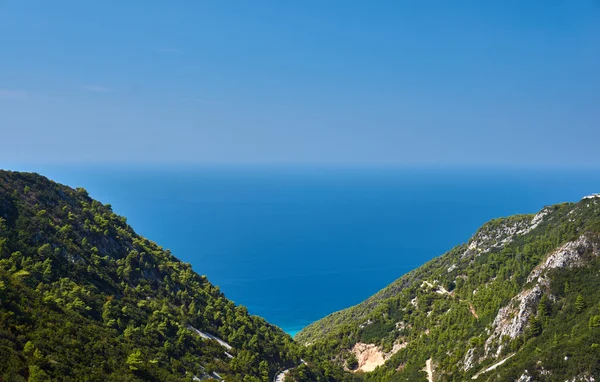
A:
<point x="83" y="297"/>
<point x="462" y="302"/>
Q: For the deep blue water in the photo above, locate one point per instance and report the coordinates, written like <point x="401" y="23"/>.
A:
<point x="295" y="244"/>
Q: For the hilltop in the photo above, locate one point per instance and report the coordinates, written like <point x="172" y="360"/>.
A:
<point x="519" y="301"/>
<point x="83" y="297"/>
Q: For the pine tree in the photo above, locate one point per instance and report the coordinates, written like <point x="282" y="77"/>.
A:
<point x="263" y="369"/>
<point x="579" y="304"/>
<point x="535" y="326"/>
<point x="351" y="361"/>
<point x="543" y="310"/>
<point x="134" y="360"/>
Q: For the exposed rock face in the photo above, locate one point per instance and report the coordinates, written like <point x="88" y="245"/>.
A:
<point x="397" y="346"/>
<point x="593" y="196"/>
<point x="370" y="356"/>
<point x="525" y="377"/>
<point x="512" y="319"/>
<point x="582" y="378"/>
<point x="281" y="376"/>
<point x="570" y="255"/>
<point x="473" y="271"/>
<point x="415" y="302"/>
<point x="469" y="360"/>
<point x="537" y="219"/>
<point x="499" y="234"/>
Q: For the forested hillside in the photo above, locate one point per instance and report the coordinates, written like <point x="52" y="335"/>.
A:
<point x="519" y="301"/>
<point x="83" y="297"/>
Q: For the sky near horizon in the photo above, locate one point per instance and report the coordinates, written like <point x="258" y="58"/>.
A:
<point x="321" y="82"/>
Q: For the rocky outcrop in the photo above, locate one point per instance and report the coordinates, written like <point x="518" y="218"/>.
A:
<point x="535" y="222"/>
<point x="570" y="255"/>
<point x="593" y="196"/>
<point x="525" y="377"/>
<point x="500" y="232"/>
<point x="535" y="260"/>
<point x="582" y="378"/>
<point x="369" y="356"/>
<point x="469" y="360"/>
<point x="512" y="319"/>
<point x="280" y="377"/>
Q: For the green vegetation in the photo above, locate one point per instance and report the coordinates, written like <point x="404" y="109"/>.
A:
<point x="83" y="297"/>
<point x="445" y="310"/>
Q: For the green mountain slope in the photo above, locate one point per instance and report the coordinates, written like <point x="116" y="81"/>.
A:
<point x="519" y="301"/>
<point x="83" y="297"/>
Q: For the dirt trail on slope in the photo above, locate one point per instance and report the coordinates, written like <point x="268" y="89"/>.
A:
<point x="473" y="312"/>
<point x="280" y="377"/>
<point x="492" y="367"/>
<point x="429" y="369"/>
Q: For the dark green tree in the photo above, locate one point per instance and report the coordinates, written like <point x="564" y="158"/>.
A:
<point x="351" y="361"/>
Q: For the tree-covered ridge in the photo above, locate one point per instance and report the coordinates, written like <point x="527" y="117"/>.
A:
<point x="83" y="297"/>
<point x="525" y="287"/>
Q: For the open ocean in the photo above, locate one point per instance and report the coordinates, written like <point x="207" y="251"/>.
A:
<point x="295" y="244"/>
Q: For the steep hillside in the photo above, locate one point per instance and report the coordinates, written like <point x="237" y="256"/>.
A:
<point x="83" y="297"/>
<point x="519" y="301"/>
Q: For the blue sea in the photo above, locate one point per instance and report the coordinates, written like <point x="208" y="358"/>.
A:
<point x="294" y="244"/>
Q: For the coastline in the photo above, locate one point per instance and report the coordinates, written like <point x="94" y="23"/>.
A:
<point x="292" y="332"/>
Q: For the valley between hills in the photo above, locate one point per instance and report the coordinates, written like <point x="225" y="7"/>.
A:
<point x="83" y="297"/>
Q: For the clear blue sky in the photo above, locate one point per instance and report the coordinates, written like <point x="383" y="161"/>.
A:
<point x="338" y="82"/>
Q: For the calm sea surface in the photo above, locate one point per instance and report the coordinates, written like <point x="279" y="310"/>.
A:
<point x="295" y="244"/>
